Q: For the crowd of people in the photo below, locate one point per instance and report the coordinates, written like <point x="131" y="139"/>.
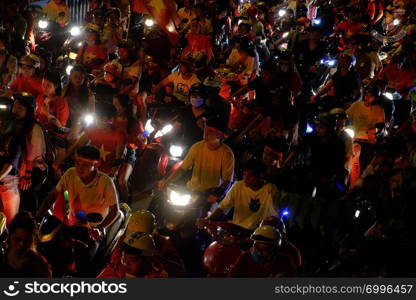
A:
<point x="298" y="116"/>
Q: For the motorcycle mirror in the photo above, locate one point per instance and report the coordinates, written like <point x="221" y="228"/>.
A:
<point x="94" y="218"/>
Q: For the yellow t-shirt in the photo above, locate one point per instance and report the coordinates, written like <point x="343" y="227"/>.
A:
<point x="364" y="118"/>
<point x="210" y="167"/>
<point x="53" y="10"/>
<point x="250" y="207"/>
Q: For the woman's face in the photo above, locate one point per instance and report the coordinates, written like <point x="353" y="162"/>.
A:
<point x="195" y="27"/>
<point x="108" y="77"/>
<point x="48" y="87"/>
<point x="26" y="70"/>
<point x="19" y="110"/>
<point x="123" y="53"/>
<point x="90" y="37"/>
<point x="20" y="241"/>
<point x="77" y="78"/>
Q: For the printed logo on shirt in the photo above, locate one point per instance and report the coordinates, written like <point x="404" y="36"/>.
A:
<point x="183" y="89"/>
<point x="254" y="205"/>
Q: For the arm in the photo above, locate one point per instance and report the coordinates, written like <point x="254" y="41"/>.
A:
<point x="81" y="142"/>
<point x="46" y="204"/>
<point x="111" y="217"/>
<point x="160" y="85"/>
<point x="241" y="91"/>
<point x="5" y="170"/>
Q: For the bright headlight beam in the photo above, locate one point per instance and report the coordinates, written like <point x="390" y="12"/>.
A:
<point x="176" y="151"/>
<point x="179" y="199"/>
<point x="43" y="24"/>
<point x="75" y="31"/>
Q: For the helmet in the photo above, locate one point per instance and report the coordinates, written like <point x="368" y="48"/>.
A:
<point x="114" y="10"/>
<point x="142" y="221"/>
<point x="252" y="10"/>
<point x="139" y="243"/>
<point x="276" y="223"/>
<point x="92" y="28"/>
<point x="198" y="88"/>
<point x="338" y="113"/>
<point x="30" y="60"/>
<point x="114" y="68"/>
<point x="26" y="99"/>
<point x="219" y="259"/>
<point x="267" y="234"/>
<point x="325" y="119"/>
<point x="372" y="89"/>
<point x="125" y="44"/>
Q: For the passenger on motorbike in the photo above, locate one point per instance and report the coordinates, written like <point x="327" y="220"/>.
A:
<point x="251" y="198"/>
<point x="21" y="258"/>
<point x="137" y="260"/>
<point x="103" y="135"/>
<point x="264" y="259"/>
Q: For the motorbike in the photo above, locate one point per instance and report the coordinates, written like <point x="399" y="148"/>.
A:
<point x="3" y="233"/>
<point x="58" y="242"/>
<point x="222" y="254"/>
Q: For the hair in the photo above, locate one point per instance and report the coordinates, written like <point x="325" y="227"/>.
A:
<point x="55" y="78"/>
<point x="125" y="102"/>
<point x="106" y="110"/>
<point x="278" y="145"/>
<point x="25" y="221"/>
<point x="255" y="166"/>
<point x="89" y="152"/>
<point x="84" y="90"/>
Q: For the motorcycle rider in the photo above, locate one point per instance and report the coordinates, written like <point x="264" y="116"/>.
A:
<point x="264" y="259"/>
<point x="57" y="11"/>
<point x="212" y="162"/>
<point x="87" y="190"/>
<point x="252" y="199"/>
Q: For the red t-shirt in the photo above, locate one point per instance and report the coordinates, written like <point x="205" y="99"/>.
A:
<point x="348" y="28"/>
<point x="58" y="108"/>
<point x="282" y="266"/>
<point x="133" y="136"/>
<point x="399" y="80"/>
<point x="32" y="85"/>
<point x="107" y="141"/>
<point x="92" y="52"/>
<point x="198" y="43"/>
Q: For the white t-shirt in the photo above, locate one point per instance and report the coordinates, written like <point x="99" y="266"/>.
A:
<point x="364" y="117"/>
<point x="251" y="207"/>
<point x="97" y="196"/>
<point x="181" y="86"/>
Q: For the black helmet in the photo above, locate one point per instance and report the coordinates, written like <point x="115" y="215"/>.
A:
<point x="26" y="99"/>
<point x="198" y="88"/>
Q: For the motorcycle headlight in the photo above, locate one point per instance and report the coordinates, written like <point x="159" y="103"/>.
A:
<point x="75" y="31"/>
<point x="388" y="95"/>
<point x="316" y="21"/>
<point x="396" y="22"/>
<point x="148" y="127"/>
<point x="69" y="69"/>
<point x="166" y="129"/>
<point x="285" y="34"/>
<point x="350" y="132"/>
<point x="88" y="119"/>
<point x="176" y="151"/>
<point x="282" y="12"/>
<point x="179" y="199"/>
<point x="43" y="24"/>
<point x="3" y="107"/>
<point x="149" y="22"/>
<point x="72" y="55"/>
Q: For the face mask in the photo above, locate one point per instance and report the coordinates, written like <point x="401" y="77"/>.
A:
<point x="197" y="101"/>
<point x="259" y="258"/>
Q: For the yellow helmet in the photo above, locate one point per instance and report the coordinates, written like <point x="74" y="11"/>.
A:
<point x="139" y="243"/>
<point x="3" y="222"/>
<point x="142" y="221"/>
<point x="30" y="60"/>
<point x="267" y="234"/>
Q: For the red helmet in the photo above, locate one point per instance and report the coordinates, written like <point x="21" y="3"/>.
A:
<point x="113" y="68"/>
<point x="219" y="259"/>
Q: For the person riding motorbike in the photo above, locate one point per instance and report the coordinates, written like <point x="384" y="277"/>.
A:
<point x="86" y="190"/>
<point x="21" y="258"/>
<point x="212" y="162"/>
<point x="137" y="260"/>
<point x="252" y="199"/>
<point x="57" y="11"/>
<point x="264" y="259"/>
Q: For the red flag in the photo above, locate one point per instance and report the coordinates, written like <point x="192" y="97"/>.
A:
<point x="164" y="14"/>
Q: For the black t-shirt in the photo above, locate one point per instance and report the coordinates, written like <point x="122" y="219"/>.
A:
<point x="323" y="155"/>
<point x="344" y="86"/>
<point x="305" y="57"/>
<point x="263" y="94"/>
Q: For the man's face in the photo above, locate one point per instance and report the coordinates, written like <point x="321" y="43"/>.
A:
<point x="284" y="66"/>
<point x="26" y="70"/>
<point x="264" y="249"/>
<point x="369" y="98"/>
<point x="270" y="156"/>
<point x="251" y="179"/>
<point x="21" y="241"/>
<point x="58" y="1"/>
<point x="85" y="168"/>
<point x="321" y="130"/>
<point x="123" y="53"/>
<point x="184" y="69"/>
<point x="132" y="263"/>
<point x="211" y="135"/>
